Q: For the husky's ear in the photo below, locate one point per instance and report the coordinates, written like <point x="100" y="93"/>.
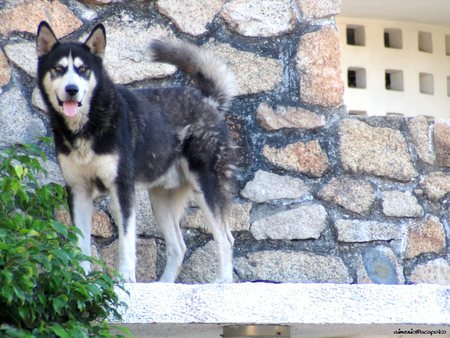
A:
<point x="96" y="41"/>
<point x="46" y="39"/>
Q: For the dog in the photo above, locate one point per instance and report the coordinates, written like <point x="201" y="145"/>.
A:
<point x="172" y="142"/>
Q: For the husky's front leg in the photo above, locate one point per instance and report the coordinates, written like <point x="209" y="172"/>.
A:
<point x="81" y="207"/>
<point x="124" y="206"/>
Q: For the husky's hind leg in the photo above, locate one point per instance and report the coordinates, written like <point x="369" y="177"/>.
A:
<point x="222" y="237"/>
<point x="168" y="207"/>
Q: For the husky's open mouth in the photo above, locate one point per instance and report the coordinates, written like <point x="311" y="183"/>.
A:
<point x="70" y="107"/>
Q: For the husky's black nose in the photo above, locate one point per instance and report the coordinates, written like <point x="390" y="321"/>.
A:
<point x="72" y="90"/>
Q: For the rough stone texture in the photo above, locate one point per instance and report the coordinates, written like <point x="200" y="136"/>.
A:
<point x="239" y="218"/>
<point x="287" y="117"/>
<point x="126" y="57"/>
<point x="315" y="9"/>
<point x="53" y="174"/>
<point x="435" y="272"/>
<point x="146" y="258"/>
<point x="425" y="236"/>
<point x="5" y="73"/>
<point x="436" y="185"/>
<point x="419" y="129"/>
<point x="23" y="55"/>
<point x="201" y="267"/>
<point x="267" y="186"/>
<point x="374" y="151"/>
<point x="354" y="195"/>
<point x="37" y="101"/>
<point x="303" y="222"/>
<point x="318" y="61"/>
<point x="191" y="16"/>
<point x="401" y="204"/>
<point x="18" y="124"/>
<point x="307" y="158"/>
<point x="379" y="265"/>
<point x="25" y="16"/>
<point x="366" y="231"/>
<point x="289" y="266"/>
<point x="259" y="18"/>
<point x="253" y="73"/>
<point x="442" y="142"/>
<point x="102" y="225"/>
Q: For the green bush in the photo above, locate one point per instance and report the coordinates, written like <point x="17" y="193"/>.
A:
<point x="44" y="291"/>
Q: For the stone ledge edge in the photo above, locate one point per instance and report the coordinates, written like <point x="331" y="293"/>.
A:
<point x="286" y="304"/>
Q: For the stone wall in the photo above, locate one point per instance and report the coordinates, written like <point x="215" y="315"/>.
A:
<point x="324" y="197"/>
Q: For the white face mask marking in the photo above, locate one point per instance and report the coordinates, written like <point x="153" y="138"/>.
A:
<point x="69" y="86"/>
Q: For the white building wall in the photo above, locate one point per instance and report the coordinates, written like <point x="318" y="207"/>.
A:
<point x="375" y="59"/>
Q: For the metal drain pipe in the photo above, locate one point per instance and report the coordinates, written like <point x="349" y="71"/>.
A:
<point x="256" y="331"/>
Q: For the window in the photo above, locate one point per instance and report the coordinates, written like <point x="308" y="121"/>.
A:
<point x="425" y="42"/>
<point x="356" y="77"/>
<point x="447" y="44"/>
<point x="393" y="38"/>
<point x="426" y="83"/>
<point x="393" y="79"/>
<point x="448" y="86"/>
<point x="356" y="35"/>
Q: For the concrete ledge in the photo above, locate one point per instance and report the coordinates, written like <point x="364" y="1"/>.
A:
<point x="311" y="310"/>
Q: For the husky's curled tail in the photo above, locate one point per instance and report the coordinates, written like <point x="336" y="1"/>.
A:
<point x="210" y="74"/>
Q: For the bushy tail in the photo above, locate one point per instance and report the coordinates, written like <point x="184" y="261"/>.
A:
<point x="211" y="75"/>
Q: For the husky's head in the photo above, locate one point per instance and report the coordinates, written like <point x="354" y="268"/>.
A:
<point x="68" y="72"/>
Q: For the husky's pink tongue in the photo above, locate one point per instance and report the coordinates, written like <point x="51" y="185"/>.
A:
<point x="70" y="108"/>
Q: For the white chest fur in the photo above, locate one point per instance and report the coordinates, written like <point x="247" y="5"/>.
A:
<point x="82" y="166"/>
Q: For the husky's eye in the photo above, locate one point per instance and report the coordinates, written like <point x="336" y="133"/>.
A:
<point x="59" y="69"/>
<point x="83" y="69"/>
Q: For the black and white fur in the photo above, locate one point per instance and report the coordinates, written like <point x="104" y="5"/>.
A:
<point x="172" y="142"/>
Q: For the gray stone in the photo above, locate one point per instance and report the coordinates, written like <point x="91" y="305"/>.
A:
<point x="53" y="175"/>
<point x="37" y="100"/>
<point x="354" y="195"/>
<point x="436" y="185"/>
<point x="191" y="16"/>
<point x="145" y="221"/>
<point x="126" y="57"/>
<point x="238" y="219"/>
<point x="319" y="64"/>
<point x="303" y="222"/>
<point x="366" y="231"/>
<point x="381" y="152"/>
<point x="287" y="117"/>
<point x="315" y="9"/>
<point x="146" y="258"/>
<point x="267" y="186"/>
<point x="289" y="266"/>
<point x="259" y="18"/>
<point x="253" y="73"/>
<point x="419" y="129"/>
<point x="201" y="267"/>
<point x="307" y="158"/>
<point x="18" y="124"/>
<point x="401" y="204"/>
<point x="433" y="272"/>
<point x="425" y="236"/>
<point x="379" y="265"/>
<point x="23" y="55"/>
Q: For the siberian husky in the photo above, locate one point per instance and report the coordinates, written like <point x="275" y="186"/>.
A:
<point x="173" y="142"/>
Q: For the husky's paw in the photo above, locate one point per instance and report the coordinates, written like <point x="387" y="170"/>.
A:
<point x="128" y="275"/>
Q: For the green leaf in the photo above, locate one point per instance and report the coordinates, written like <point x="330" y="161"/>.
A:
<point x="60" y="332"/>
